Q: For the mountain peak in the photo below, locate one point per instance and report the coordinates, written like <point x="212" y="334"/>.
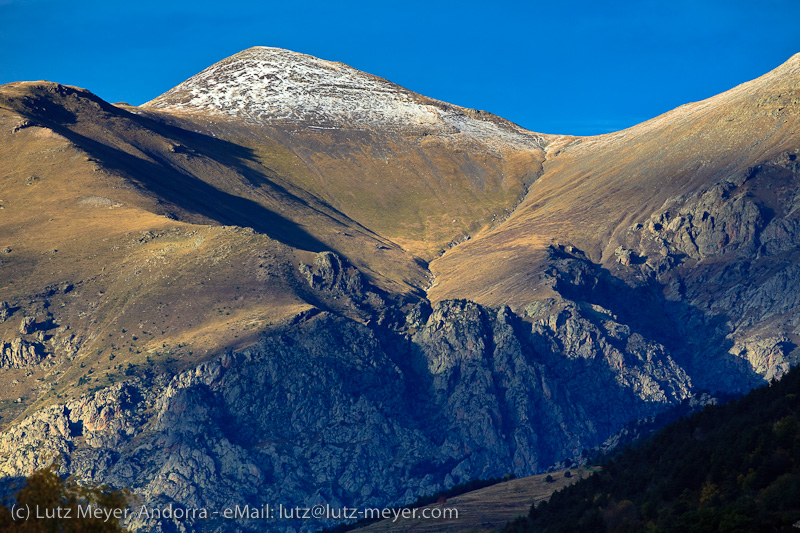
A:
<point x="277" y="86"/>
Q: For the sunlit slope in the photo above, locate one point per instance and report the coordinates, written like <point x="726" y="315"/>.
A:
<point x="128" y="241"/>
<point x="178" y="229"/>
<point x="733" y="149"/>
<point x="418" y="171"/>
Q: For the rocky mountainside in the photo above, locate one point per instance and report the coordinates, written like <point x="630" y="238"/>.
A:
<point x="287" y="281"/>
<point x="690" y="219"/>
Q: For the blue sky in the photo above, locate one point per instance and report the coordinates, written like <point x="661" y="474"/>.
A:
<point x="583" y="67"/>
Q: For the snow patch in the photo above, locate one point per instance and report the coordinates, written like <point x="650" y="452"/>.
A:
<point x="274" y="86"/>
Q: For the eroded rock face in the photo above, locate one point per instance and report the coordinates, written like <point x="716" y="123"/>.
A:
<point x="768" y="356"/>
<point x="750" y="213"/>
<point x="728" y="258"/>
<point x="332" y="411"/>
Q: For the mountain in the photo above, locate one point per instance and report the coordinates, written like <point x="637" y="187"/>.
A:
<point x="418" y="171"/>
<point x="288" y="281"/>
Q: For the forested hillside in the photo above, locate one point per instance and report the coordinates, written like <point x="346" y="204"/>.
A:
<point x="734" y="467"/>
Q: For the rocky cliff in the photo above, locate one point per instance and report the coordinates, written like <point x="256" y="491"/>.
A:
<point x="328" y="410"/>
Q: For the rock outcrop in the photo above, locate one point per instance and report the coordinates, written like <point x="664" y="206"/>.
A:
<point x="729" y="253"/>
<point x="330" y="275"/>
<point x="28" y="325"/>
<point x="20" y="353"/>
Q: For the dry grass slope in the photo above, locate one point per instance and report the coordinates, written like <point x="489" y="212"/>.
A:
<point x="593" y="189"/>
<point x="487" y="509"/>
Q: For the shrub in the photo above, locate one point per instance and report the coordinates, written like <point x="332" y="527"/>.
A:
<point x="57" y="502"/>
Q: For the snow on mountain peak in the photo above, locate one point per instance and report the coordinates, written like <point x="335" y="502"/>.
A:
<point x="273" y="85"/>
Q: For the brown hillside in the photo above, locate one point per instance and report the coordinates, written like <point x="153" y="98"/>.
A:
<point x="594" y="189"/>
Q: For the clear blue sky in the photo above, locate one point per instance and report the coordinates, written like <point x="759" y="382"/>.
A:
<point x="582" y="67"/>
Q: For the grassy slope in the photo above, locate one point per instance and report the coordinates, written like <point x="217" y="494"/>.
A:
<point x="486" y="509"/>
<point x="423" y="192"/>
<point x="85" y="248"/>
<point x="594" y="188"/>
